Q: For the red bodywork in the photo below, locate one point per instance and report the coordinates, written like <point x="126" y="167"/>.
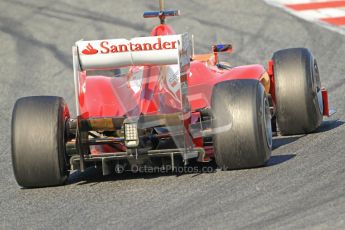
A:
<point x="97" y="97"/>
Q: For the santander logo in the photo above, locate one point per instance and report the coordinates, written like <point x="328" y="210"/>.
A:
<point x="89" y="50"/>
<point x="105" y="47"/>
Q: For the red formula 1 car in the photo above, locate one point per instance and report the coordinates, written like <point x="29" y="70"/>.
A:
<point x="149" y="101"/>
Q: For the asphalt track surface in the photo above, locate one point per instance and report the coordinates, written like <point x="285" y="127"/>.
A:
<point x="303" y="185"/>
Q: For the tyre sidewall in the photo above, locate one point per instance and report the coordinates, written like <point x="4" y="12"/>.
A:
<point x="38" y="141"/>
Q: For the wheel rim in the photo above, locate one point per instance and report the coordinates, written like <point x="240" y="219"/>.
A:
<point x="319" y="100"/>
<point x="267" y="123"/>
<point x="317" y="86"/>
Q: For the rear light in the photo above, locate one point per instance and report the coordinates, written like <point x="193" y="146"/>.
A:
<point x="131" y="135"/>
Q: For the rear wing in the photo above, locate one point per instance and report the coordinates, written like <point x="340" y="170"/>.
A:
<point x="140" y="51"/>
<point x="115" y="53"/>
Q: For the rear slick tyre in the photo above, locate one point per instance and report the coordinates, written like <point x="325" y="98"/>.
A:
<point x="38" y="141"/>
<point x="298" y="91"/>
<point x="242" y="124"/>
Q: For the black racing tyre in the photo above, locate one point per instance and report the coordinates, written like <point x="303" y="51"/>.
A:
<point x="38" y="141"/>
<point x="241" y="124"/>
<point x="298" y="91"/>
